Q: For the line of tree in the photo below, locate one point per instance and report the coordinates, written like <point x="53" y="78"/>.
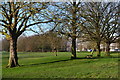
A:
<point x="101" y="23"/>
<point x="98" y="21"/>
<point x="42" y="43"/>
<point x="38" y="43"/>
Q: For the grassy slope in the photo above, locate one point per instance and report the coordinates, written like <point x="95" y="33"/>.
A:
<point x="47" y="65"/>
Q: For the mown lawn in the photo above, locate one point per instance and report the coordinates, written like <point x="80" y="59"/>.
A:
<point x="47" y="65"/>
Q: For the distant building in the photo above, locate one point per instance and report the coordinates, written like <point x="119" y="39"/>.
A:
<point x="80" y="45"/>
<point x="113" y="46"/>
<point x="85" y="46"/>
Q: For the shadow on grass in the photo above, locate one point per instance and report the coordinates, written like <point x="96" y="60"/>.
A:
<point x="72" y="59"/>
<point x="47" y="62"/>
<point x="110" y="57"/>
<point x="59" y="61"/>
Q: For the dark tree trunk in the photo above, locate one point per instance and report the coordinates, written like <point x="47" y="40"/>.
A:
<point x="13" y="58"/>
<point x="73" y="48"/>
<point x="108" y="48"/>
<point x="74" y="27"/>
<point x="98" y="47"/>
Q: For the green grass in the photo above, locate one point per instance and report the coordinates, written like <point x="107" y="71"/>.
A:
<point x="47" y="65"/>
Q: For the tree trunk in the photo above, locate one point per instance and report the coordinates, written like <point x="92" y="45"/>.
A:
<point x="13" y="59"/>
<point x="107" y="48"/>
<point x="98" y="47"/>
<point x="73" y="48"/>
<point x="74" y="27"/>
<point x="42" y="49"/>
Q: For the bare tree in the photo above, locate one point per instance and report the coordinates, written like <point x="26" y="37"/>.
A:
<point x="95" y="19"/>
<point x="15" y="19"/>
<point x="111" y="25"/>
<point x="67" y="18"/>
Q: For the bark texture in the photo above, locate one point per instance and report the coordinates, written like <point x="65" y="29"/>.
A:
<point x="73" y="48"/>
<point x="98" y="47"/>
<point x="107" y="48"/>
<point x="74" y="28"/>
<point x="13" y="58"/>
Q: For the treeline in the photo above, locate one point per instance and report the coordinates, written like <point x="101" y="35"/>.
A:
<point x="95" y="21"/>
<point x="42" y="43"/>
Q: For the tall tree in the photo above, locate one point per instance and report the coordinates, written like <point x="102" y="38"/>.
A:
<point x="16" y="17"/>
<point x="111" y="22"/>
<point x="94" y="21"/>
<point x="68" y="19"/>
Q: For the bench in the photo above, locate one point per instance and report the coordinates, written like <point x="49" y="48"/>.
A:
<point x="89" y="56"/>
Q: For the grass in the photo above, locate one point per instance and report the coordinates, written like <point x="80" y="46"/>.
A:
<point x="47" y="65"/>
